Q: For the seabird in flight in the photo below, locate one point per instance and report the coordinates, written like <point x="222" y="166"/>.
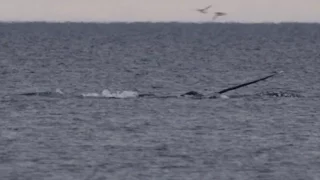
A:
<point x="204" y="10"/>
<point x="217" y="14"/>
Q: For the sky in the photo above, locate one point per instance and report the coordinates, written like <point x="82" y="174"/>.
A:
<point x="160" y="10"/>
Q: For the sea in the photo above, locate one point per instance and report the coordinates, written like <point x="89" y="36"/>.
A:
<point x="57" y="123"/>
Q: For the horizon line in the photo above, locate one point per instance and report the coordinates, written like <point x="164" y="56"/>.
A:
<point x="162" y="22"/>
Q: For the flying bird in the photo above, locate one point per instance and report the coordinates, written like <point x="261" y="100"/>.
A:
<point x="217" y="14"/>
<point x="204" y="10"/>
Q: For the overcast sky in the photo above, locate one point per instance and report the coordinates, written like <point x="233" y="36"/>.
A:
<point x="159" y="10"/>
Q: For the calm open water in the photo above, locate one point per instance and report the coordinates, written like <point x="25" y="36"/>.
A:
<point x="71" y="138"/>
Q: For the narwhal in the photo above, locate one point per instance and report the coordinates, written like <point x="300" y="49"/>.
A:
<point x="220" y="94"/>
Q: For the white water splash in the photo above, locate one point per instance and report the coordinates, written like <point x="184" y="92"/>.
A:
<point x="90" y="95"/>
<point x="58" y="90"/>
<point x="108" y="94"/>
<point x="119" y="94"/>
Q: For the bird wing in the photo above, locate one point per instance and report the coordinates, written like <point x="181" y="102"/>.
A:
<point x="221" y="13"/>
<point x="207" y="7"/>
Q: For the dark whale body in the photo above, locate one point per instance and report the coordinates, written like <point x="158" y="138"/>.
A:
<point x="193" y="94"/>
<point x="56" y="93"/>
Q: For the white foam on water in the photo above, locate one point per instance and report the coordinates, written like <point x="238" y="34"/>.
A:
<point x="119" y="94"/>
<point x="222" y="96"/>
<point x="108" y="94"/>
<point x="90" y="95"/>
<point x="58" y="90"/>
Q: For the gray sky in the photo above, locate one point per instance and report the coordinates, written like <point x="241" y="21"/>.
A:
<point x="159" y="10"/>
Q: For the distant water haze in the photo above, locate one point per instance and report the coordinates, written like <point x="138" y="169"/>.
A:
<point x="265" y="131"/>
<point x="164" y="10"/>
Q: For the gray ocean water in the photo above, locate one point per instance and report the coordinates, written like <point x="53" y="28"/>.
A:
<point x="71" y="138"/>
